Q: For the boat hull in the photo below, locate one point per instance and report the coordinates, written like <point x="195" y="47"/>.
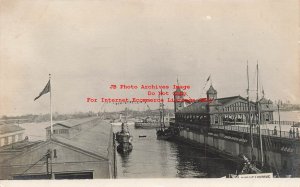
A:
<point x="121" y="137"/>
<point x="164" y="134"/>
<point x="124" y="147"/>
<point x="146" y="125"/>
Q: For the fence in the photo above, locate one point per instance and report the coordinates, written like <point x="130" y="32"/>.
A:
<point x="290" y="123"/>
<point x="255" y="130"/>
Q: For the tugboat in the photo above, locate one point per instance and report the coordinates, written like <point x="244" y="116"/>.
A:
<point x="163" y="133"/>
<point x="124" y="139"/>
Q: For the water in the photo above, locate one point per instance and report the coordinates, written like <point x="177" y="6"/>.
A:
<point x="287" y="115"/>
<point x="36" y="131"/>
<point x="152" y="158"/>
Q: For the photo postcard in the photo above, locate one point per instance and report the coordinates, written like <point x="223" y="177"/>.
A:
<point x="140" y="89"/>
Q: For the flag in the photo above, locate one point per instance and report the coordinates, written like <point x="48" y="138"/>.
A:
<point x="45" y="90"/>
<point x="206" y="82"/>
<point x="208" y="78"/>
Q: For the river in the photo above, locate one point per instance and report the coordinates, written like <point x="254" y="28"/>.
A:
<point x="152" y="158"/>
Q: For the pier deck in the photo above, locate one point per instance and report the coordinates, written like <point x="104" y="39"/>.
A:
<point x="265" y="130"/>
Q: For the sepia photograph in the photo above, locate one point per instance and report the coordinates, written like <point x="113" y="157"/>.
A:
<point x="149" y="89"/>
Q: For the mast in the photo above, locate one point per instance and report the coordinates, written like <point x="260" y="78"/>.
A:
<point x="163" y="114"/>
<point x="160" y="112"/>
<point x="126" y="112"/>
<point x="279" y="119"/>
<point x="249" y="110"/>
<point x="162" y="120"/>
<point x="258" y="119"/>
<point x="162" y="107"/>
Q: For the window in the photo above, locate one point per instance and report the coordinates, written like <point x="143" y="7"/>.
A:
<point x="54" y="153"/>
<point x="20" y="137"/>
<point x="216" y="119"/>
<point x="62" y="131"/>
<point x="267" y="117"/>
<point x="1" y="141"/>
<point x="5" y="140"/>
<point x="82" y="175"/>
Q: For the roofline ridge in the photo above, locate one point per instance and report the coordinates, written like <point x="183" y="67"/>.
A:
<point x="78" y="148"/>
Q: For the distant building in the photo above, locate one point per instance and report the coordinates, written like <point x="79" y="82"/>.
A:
<point x="224" y="111"/>
<point x="10" y="133"/>
<point x="88" y="155"/>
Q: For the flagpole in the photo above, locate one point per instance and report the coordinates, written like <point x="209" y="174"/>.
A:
<point x="51" y="125"/>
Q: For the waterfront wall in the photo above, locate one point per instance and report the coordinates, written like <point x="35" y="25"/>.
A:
<point x="233" y="146"/>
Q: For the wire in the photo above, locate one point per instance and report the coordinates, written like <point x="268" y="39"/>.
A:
<point x="34" y="164"/>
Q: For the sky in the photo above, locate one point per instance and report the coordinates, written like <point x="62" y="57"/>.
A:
<point x="89" y="45"/>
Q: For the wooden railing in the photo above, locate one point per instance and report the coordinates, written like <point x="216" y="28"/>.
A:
<point x="266" y="132"/>
<point x="291" y="123"/>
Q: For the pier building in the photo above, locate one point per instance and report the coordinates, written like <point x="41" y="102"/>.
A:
<point x="223" y="111"/>
<point x="87" y="154"/>
<point x="232" y="126"/>
<point x="10" y="133"/>
<point x="70" y="127"/>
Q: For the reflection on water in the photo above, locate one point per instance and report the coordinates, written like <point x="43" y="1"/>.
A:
<point x="152" y="158"/>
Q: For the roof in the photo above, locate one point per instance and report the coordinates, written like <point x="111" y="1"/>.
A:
<point x="8" y="128"/>
<point x="20" y="145"/>
<point x="95" y="139"/>
<point x="178" y="90"/>
<point x="225" y="100"/>
<point x="211" y="90"/>
<point x="200" y="107"/>
<point x="197" y="107"/>
<point x="265" y="101"/>
<point x="10" y="151"/>
<point x="74" y="122"/>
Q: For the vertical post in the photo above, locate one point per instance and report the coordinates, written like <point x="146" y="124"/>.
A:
<point x="279" y="121"/>
<point x="51" y="164"/>
<point x="163" y="112"/>
<point x="126" y="115"/>
<point x="160" y="112"/>
<point x="258" y="120"/>
<point x="249" y="110"/>
<point x="257" y="81"/>
<point x="47" y="164"/>
<point x="234" y="118"/>
<point x="114" y="156"/>
<point x="51" y="125"/>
